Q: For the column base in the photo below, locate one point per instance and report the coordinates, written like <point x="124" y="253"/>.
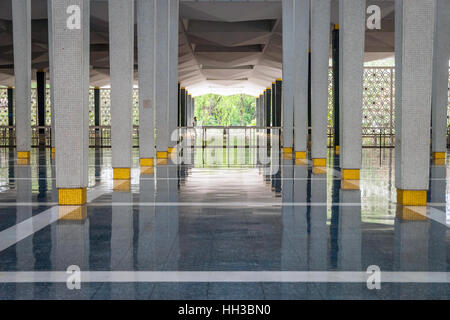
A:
<point x="337" y="149"/>
<point x="287" y="151"/>
<point x="147" y="162"/>
<point x="121" y="173"/>
<point x="121" y="186"/>
<point x="72" y="197"/>
<point x="412" y="197"/>
<point x="320" y="162"/>
<point x="161" y="155"/>
<point x="300" y="155"/>
<point x="171" y="150"/>
<point x="350" y="174"/>
<point x="439" y="158"/>
<point x="439" y="155"/>
<point x="23" y="154"/>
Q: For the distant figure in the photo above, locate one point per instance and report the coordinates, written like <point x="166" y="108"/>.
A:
<point x="195" y="121"/>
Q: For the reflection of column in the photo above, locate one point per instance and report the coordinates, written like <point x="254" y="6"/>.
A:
<point x="70" y="247"/>
<point x="145" y="252"/>
<point x="122" y="241"/>
<point x="320" y="45"/>
<point x="349" y="237"/>
<point x="287" y="194"/>
<point x="414" y="22"/>
<point x="318" y="246"/>
<point x="352" y="15"/>
<point x="24" y="211"/>
<point x="294" y="218"/>
<point x="71" y="99"/>
<point x="438" y="229"/>
<point x="21" y="13"/>
<point x="146" y="56"/>
<point x="172" y="219"/>
<point x="121" y="43"/>
<point x="42" y="174"/>
<point x="440" y="80"/>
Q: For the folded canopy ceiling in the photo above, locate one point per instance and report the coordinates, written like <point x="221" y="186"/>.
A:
<point x="225" y="47"/>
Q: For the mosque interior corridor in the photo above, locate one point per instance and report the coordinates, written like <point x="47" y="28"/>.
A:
<point x="221" y="211"/>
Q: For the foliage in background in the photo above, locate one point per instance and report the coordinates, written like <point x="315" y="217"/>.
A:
<point x="217" y="110"/>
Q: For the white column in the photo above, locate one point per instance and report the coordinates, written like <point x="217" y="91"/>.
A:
<point x="146" y="70"/>
<point x="352" y="15"/>
<point x="173" y="72"/>
<point x="162" y="77"/>
<point x="50" y="70"/>
<point x="121" y="43"/>
<point x="439" y="101"/>
<point x="414" y="22"/>
<point x="71" y="97"/>
<point x="21" y="13"/>
<point x="288" y="76"/>
<point x="320" y="48"/>
<point x="301" y="62"/>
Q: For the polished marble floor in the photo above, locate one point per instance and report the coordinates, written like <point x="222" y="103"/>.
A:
<point x="222" y="211"/>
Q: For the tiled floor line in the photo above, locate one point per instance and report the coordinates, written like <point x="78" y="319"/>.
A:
<point x="26" y="228"/>
<point x="224" y="277"/>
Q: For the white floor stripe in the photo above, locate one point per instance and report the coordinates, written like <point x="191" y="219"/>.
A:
<point x="26" y="228"/>
<point x="225" y="276"/>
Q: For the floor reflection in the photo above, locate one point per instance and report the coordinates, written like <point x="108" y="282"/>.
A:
<point x="221" y="209"/>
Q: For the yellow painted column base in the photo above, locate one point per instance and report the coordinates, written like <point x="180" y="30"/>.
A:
<point x="161" y="155"/>
<point x="23" y="154"/>
<point x="147" y="162"/>
<point x="337" y="148"/>
<point x="121" y="173"/>
<point x="300" y="155"/>
<point x="350" y="174"/>
<point x="320" y="162"/>
<point x="439" y="155"/>
<point x="53" y="150"/>
<point x="121" y="186"/>
<point x="412" y="197"/>
<point x="287" y="150"/>
<point x="72" y="197"/>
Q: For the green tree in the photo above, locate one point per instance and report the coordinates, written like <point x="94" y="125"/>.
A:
<point x="217" y="110"/>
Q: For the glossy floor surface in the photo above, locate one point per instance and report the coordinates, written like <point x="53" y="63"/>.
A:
<point x="222" y="211"/>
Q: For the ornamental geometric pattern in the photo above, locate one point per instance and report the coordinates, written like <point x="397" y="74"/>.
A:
<point x="378" y="104"/>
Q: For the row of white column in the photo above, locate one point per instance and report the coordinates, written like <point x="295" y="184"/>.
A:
<point x="422" y="43"/>
<point x="69" y="42"/>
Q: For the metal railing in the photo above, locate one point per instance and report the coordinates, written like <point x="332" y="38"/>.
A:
<point x="207" y="136"/>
